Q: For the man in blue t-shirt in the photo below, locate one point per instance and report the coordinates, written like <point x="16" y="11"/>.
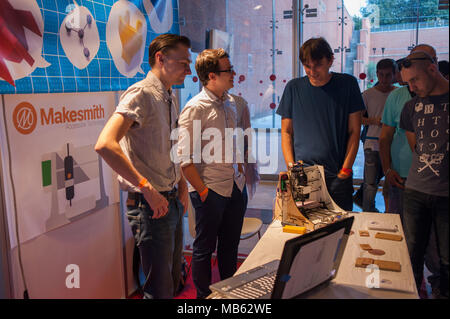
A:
<point x="425" y="119"/>
<point x="321" y="120"/>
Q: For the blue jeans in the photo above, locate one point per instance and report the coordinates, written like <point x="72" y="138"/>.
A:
<point x="395" y="201"/>
<point x="432" y="259"/>
<point x="217" y="219"/>
<point x="373" y="172"/>
<point x="341" y="191"/>
<point x="431" y="255"/>
<point x="421" y="212"/>
<point x="160" y="243"/>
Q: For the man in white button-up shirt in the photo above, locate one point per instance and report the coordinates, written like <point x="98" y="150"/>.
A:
<point x="207" y="154"/>
<point x="136" y="144"/>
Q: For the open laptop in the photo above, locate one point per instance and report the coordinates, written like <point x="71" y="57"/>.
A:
<point x="307" y="261"/>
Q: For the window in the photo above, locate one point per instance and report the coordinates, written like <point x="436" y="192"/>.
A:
<point x="361" y="32"/>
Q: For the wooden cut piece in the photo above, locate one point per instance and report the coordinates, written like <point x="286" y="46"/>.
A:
<point x="388" y="236"/>
<point x="382" y="264"/>
<point x="388" y="265"/>
<point x="364" y="233"/>
<point x="363" y="262"/>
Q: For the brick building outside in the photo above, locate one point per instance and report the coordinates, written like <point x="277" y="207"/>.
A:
<point x="259" y="50"/>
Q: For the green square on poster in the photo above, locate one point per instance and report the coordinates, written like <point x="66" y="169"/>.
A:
<point x="46" y="173"/>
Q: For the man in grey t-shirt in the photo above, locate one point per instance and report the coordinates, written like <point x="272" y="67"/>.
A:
<point x="425" y="119"/>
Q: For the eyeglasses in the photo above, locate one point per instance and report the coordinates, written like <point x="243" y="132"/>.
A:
<point x="230" y="70"/>
<point x="406" y="62"/>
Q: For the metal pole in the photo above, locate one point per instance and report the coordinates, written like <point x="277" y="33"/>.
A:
<point x="417" y="23"/>
<point x="342" y="39"/>
<point x="273" y="60"/>
<point x="301" y="34"/>
<point x="295" y="37"/>
<point x="6" y="283"/>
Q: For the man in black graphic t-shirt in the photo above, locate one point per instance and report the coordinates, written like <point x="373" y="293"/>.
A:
<point x="425" y="119"/>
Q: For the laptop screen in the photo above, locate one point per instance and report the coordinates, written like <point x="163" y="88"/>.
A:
<point x="311" y="259"/>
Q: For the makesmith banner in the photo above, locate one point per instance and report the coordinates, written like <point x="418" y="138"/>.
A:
<point x="55" y="175"/>
<point x="51" y="46"/>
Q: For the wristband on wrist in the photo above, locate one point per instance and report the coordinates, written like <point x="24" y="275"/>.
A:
<point x="203" y="192"/>
<point x="142" y="183"/>
<point x="346" y="171"/>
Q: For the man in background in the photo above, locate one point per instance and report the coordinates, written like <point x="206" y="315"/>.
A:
<point x="374" y="100"/>
<point x="443" y="68"/>
<point x="215" y="185"/>
<point x="250" y="166"/>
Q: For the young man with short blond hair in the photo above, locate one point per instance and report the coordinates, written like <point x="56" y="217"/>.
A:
<point x="215" y="186"/>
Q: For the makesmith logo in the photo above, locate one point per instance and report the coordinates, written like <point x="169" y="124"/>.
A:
<point x="25" y="116"/>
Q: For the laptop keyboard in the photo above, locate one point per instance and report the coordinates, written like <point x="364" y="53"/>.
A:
<point x="256" y="288"/>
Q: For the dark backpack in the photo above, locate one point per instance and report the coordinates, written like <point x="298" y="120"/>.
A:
<point x="364" y="129"/>
<point x="364" y="133"/>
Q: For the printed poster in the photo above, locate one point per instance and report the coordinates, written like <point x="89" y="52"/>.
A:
<point x="55" y="46"/>
<point x="57" y="176"/>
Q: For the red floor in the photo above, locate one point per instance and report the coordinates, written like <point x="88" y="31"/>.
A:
<point x="189" y="291"/>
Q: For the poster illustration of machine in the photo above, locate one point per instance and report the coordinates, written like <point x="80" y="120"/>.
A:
<point x="56" y="175"/>
<point x="71" y="176"/>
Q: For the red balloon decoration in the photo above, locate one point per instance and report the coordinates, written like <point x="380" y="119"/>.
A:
<point x="260" y="81"/>
<point x="260" y="94"/>
<point x="195" y="79"/>
<point x="273" y="106"/>
<point x="362" y="76"/>
<point x="272" y="77"/>
<point x="241" y="78"/>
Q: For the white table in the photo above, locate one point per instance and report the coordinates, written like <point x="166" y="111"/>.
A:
<point x="350" y="282"/>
